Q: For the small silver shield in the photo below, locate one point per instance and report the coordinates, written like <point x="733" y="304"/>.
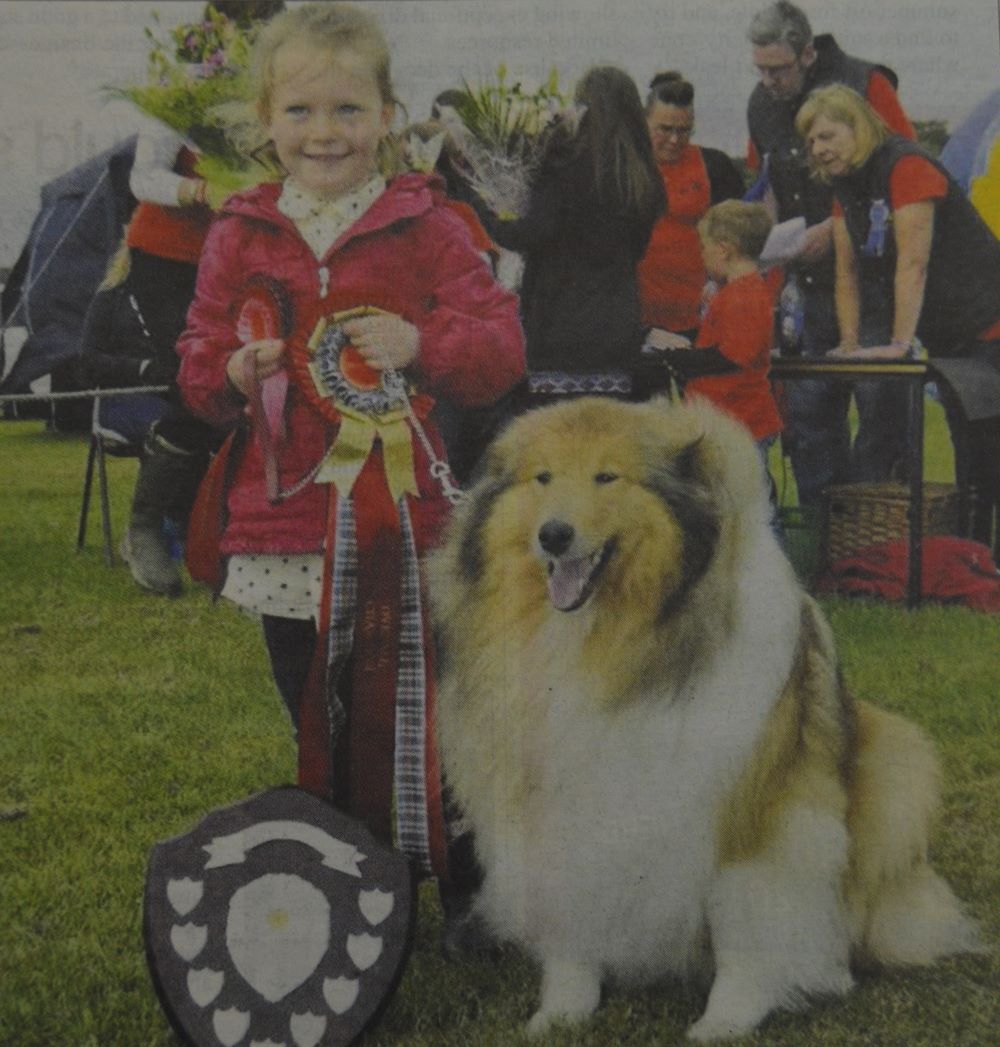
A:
<point x="279" y="920"/>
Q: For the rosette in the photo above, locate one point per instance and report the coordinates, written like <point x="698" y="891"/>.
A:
<point x="365" y="404"/>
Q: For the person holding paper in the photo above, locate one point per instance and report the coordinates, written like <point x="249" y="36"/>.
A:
<point x="791" y="62"/>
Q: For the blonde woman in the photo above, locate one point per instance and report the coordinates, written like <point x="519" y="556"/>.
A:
<point x="915" y="262"/>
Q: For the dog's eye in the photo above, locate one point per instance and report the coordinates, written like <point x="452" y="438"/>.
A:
<point x="605" y="478"/>
<point x="544" y="478"/>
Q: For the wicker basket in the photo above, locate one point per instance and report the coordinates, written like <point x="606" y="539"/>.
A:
<point x="857" y="515"/>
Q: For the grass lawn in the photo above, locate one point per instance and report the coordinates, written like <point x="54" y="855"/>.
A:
<point x="124" y="718"/>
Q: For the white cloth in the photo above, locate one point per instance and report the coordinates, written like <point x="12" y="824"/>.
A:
<point x="152" y="178"/>
<point x="321" y="221"/>
<point x="284" y="585"/>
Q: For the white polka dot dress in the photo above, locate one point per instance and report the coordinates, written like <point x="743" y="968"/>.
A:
<point x="283" y="585"/>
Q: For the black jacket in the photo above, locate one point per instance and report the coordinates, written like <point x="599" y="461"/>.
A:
<point x="579" y="297"/>
<point x="724" y="179"/>
<point x="772" y="131"/>
<point x="962" y="293"/>
<point x="130" y="330"/>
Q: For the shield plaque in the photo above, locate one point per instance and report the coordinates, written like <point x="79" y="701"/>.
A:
<point x="276" y="921"/>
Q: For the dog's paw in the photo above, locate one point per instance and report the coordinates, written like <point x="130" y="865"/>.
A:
<point x="543" y="1021"/>
<point x="570" y="993"/>
<point x="707" y="1030"/>
<point x="736" y="1006"/>
<point x="539" y="1024"/>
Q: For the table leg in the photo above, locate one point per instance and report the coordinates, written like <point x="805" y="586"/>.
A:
<point x="915" y="471"/>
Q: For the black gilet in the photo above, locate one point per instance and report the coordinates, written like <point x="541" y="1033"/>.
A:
<point x="772" y="130"/>
<point x="962" y="293"/>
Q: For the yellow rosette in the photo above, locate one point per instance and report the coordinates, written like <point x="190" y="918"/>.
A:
<point x="362" y="404"/>
<point x="353" y="444"/>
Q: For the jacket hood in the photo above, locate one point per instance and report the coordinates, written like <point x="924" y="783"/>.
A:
<point x="406" y="196"/>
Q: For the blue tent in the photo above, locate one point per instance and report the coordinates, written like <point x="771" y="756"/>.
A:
<point x="968" y="148"/>
<point x="76" y="231"/>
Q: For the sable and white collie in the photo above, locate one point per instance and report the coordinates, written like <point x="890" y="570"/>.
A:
<point x="642" y="718"/>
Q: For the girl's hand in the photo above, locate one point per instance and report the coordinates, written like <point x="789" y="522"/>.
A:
<point x="267" y="356"/>
<point x="660" y="339"/>
<point x="386" y="341"/>
<point x="192" y="191"/>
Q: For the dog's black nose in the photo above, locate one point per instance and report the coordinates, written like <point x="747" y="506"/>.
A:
<point x="555" y="537"/>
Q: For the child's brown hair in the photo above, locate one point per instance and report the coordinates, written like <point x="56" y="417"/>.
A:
<point x="745" y="226"/>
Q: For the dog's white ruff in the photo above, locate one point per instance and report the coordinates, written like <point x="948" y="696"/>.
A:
<point x="619" y="789"/>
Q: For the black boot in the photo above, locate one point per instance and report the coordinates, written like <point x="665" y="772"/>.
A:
<point x="167" y="480"/>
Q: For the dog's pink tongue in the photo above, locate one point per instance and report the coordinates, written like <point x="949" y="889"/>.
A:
<point x="566" y="581"/>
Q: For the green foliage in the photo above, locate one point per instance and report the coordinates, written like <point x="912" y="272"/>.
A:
<point x="507" y="118"/>
<point x="191" y="106"/>
<point x="214" y="41"/>
<point x="197" y="84"/>
<point x="125" y="718"/>
<point x="498" y="132"/>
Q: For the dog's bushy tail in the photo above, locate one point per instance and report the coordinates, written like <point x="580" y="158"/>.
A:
<point x="902" y="912"/>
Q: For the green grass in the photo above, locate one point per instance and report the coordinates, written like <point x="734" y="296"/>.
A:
<point x="124" y="718"/>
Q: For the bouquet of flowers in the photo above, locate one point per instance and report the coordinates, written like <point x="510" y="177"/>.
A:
<point x="497" y="134"/>
<point x="196" y="81"/>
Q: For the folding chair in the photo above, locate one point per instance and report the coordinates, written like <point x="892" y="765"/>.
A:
<point x="103" y="442"/>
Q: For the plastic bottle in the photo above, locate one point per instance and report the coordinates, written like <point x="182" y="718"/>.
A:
<point x="791" y="315"/>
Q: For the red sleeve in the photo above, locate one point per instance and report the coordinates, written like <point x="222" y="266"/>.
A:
<point x="471" y="342"/>
<point x="210" y="335"/>
<point x="753" y="159"/>
<point x="914" y="180"/>
<point x="481" y="239"/>
<point x="882" y="97"/>
<point x="740" y="323"/>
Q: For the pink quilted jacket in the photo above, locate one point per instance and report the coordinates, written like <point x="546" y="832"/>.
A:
<point x="409" y="249"/>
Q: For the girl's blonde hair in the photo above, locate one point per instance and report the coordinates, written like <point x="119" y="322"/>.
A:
<point x="843" y="105"/>
<point x="118" y="268"/>
<point x="327" y="27"/>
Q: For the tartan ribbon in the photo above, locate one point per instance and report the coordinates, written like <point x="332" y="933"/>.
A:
<point x="349" y="755"/>
<point x="410" y="776"/>
<point x="342" y="607"/>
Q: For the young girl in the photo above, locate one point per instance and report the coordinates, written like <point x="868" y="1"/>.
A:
<point x="334" y="499"/>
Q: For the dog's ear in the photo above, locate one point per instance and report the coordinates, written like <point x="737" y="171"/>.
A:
<point x="684" y="463"/>
<point x="491" y="480"/>
<point x="489" y="466"/>
<point x="679" y="481"/>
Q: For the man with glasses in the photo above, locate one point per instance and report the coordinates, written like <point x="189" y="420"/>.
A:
<point x="790" y="63"/>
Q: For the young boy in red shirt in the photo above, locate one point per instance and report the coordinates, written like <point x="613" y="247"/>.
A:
<point x="739" y="322"/>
